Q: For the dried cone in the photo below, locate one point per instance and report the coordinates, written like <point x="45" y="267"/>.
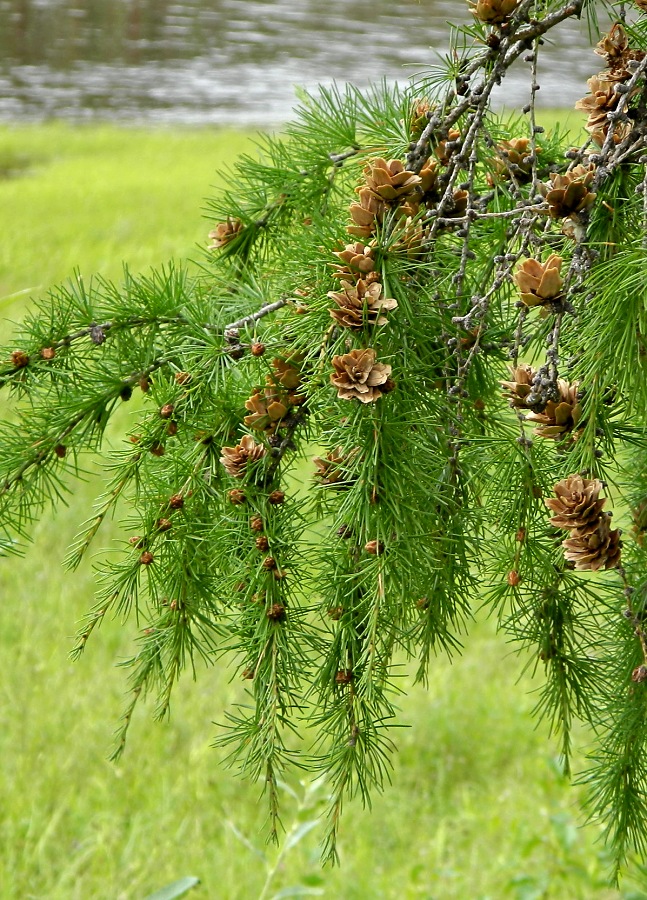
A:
<point x="442" y="152"/>
<point x="357" y="261"/>
<point x="614" y="47"/>
<point x="266" y="410"/>
<point x="286" y="371"/>
<point x="389" y="181"/>
<point x="235" y="459"/>
<point x="367" y="214"/>
<point x="224" y="233"/>
<point x="577" y="506"/>
<point x="360" y="304"/>
<point x="329" y="469"/>
<point x="599" y="549"/>
<point x="419" y="117"/>
<point x="513" y="160"/>
<point x="429" y="183"/>
<point x="561" y="416"/>
<point x="519" y="386"/>
<point x="641" y="4"/>
<point x="568" y="194"/>
<point x="358" y="376"/>
<point x="538" y="282"/>
<point x="493" y="12"/>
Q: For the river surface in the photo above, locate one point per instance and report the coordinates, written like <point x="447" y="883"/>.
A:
<point x="234" y="61"/>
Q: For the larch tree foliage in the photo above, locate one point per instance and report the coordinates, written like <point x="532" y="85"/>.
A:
<point x="409" y="379"/>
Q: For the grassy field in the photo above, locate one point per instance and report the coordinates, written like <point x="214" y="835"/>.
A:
<point x="478" y="808"/>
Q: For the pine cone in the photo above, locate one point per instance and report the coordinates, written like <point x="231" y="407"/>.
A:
<point x="577" y="506"/>
<point x="266" y="409"/>
<point x="419" y="118"/>
<point x="512" y="159"/>
<point x="614" y="47"/>
<point x="360" y="304"/>
<point x="558" y="418"/>
<point x="641" y="4"/>
<point x="442" y="153"/>
<point x="539" y="283"/>
<point x="367" y="214"/>
<point x="224" y="232"/>
<point x="329" y="469"/>
<point x="493" y="12"/>
<point x="519" y="386"/>
<point x="235" y="459"/>
<point x="358" y="261"/>
<point x="429" y="181"/>
<point x="599" y="549"/>
<point x="389" y="181"/>
<point x="286" y="371"/>
<point x="569" y="194"/>
<point x="358" y="377"/>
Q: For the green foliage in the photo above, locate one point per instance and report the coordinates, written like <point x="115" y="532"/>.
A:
<point x="429" y="487"/>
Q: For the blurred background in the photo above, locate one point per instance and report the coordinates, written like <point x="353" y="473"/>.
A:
<point x="231" y="61"/>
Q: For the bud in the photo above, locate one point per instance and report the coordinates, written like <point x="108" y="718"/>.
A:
<point x="262" y="543"/>
<point x="164" y="524"/>
<point x="513" y="578"/>
<point x="182" y="377"/>
<point x="276" y="498"/>
<point x="126" y="393"/>
<point x="166" y="411"/>
<point x="237" y="497"/>
<point x="146" y="558"/>
<point x="256" y="523"/>
<point x="344" y="676"/>
<point x="60" y="450"/>
<point x="276" y="612"/>
<point x="176" y="501"/>
<point x="48" y="353"/>
<point x="375" y="548"/>
<point x="257" y="349"/>
<point x="335" y="613"/>
<point x="157" y="449"/>
<point x="520" y="535"/>
<point x="19" y="359"/>
<point x="639" y="674"/>
<point x="269" y="562"/>
<point x="171" y="429"/>
<point x="144" y="385"/>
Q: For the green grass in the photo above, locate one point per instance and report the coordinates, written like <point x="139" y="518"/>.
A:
<point x="478" y="808"/>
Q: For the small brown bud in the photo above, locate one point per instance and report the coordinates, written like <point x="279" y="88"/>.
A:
<point x="182" y="377"/>
<point x="335" y="613"/>
<point x="60" y="450"/>
<point x="173" y="605"/>
<point x="276" y="498"/>
<point x="171" y="429"/>
<point x="19" y="359"/>
<point x="276" y="612"/>
<point x="269" y="562"/>
<point x="157" y="449"/>
<point x="166" y="411"/>
<point x="257" y="349"/>
<point x="248" y="674"/>
<point x="146" y="558"/>
<point x="97" y="335"/>
<point x="345" y="532"/>
<point x="256" y="523"/>
<point x="176" y="501"/>
<point x="126" y="393"/>
<point x="164" y="524"/>
<point x="144" y="385"/>
<point x="513" y="578"/>
<point x="279" y="574"/>
<point x="344" y="676"/>
<point x="236" y="351"/>
<point x="48" y="353"/>
<point x="136" y="541"/>
<point x="375" y="548"/>
<point x="479" y="405"/>
<point x="262" y="544"/>
<point x="134" y="438"/>
<point x="423" y="603"/>
<point x="388" y="386"/>
<point x="536" y="492"/>
<point x="520" y="535"/>
<point x="639" y="674"/>
<point x="237" y="497"/>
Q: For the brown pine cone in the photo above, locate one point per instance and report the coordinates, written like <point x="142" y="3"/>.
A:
<point x="224" y="233"/>
<point x="235" y="459"/>
<point x="519" y="386"/>
<point x="493" y="12"/>
<point x="358" y="376"/>
<point x="357" y="261"/>
<point x="568" y="194"/>
<point x="577" y="505"/>
<point x="598" y="550"/>
<point x="360" y="304"/>
<point x="539" y="283"/>
<point x="367" y="214"/>
<point x="389" y="181"/>
<point x="266" y="410"/>
<point x="329" y="469"/>
<point x="286" y="371"/>
<point x="513" y="160"/>
<point x="558" y="418"/>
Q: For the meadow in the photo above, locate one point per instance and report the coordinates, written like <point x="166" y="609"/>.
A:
<point x="478" y="809"/>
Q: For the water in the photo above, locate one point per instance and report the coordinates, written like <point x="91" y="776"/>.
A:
<point x="233" y="61"/>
